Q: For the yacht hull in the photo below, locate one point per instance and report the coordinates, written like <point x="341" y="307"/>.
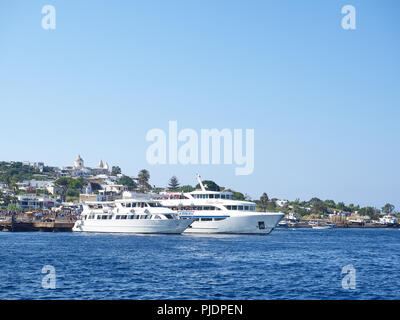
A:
<point x="240" y="224"/>
<point x="142" y="226"/>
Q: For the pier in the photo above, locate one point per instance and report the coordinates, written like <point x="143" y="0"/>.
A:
<point x="27" y="223"/>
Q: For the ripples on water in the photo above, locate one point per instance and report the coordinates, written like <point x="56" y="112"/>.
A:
<point x="287" y="264"/>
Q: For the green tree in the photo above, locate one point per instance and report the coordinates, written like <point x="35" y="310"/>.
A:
<point x="330" y="203"/>
<point x="341" y="206"/>
<point x="236" y="195"/>
<point x="186" y="188"/>
<point x="144" y="178"/>
<point x="388" y="208"/>
<point x="367" y="211"/>
<point x="318" y="206"/>
<point x="173" y="184"/>
<point x="264" y="201"/>
<point x="63" y="183"/>
<point x="209" y="185"/>
<point x="14" y="207"/>
<point x="6" y="199"/>
<point x="69" y="185"/>
<point x="127" y="181"/>
<point x="115" y="170"/>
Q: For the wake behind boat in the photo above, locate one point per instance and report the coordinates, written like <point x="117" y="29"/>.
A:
<point x="130" y="216"/>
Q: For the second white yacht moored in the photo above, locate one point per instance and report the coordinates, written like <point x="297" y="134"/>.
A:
<point x="130" y="216"/>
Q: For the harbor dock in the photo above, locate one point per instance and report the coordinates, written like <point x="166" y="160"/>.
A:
<point x="22" y="223"/>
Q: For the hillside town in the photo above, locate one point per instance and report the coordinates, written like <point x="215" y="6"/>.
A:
<point x="44" y="191"/>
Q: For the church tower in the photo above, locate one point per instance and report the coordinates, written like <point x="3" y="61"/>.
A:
<point x="79" y="163"/>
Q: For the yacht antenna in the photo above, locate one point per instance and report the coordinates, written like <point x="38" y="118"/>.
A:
<point x="200" y="182"/>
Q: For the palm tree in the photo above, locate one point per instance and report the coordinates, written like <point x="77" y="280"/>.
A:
<point x="144" y="177"/>
<point x="264" y="201"/>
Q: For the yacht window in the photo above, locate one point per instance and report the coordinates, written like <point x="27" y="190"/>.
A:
<point x="168" y="216"/>
<point x="134" y="205"/>
<point x="240" y="208"/>
<point x="222" y="196"/>
<point x="157" y="217"/>
<point x="229" y="207"/>
<point x="211" y="196"/>
<point x="118" y="217"/>
<point x="104" y="217"/>
<point x="130" y="216"/>
<point x="153" y="204"/>
<point x="129" y="205"/>
<point x="252" y="208"/>
<point x="98" y="217"/>
<point x="219" y="219"/>
<point x="217" y="196"/>
<point x="123" y="204"/>
<point x="246" y="208"/>
<point x="206" y="219"/>
<point x="123" y="217"/>
<point x="136" y="217"/>
<point x="234" y="208"/>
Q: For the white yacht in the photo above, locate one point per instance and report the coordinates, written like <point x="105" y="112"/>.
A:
<point x="388" y="220"/>
<point x="216" y="212"/>
<point x="130" y="216"/>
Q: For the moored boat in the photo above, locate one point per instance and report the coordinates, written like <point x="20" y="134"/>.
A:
<point x="217" y="212"/>
<point x="130" y="216"/>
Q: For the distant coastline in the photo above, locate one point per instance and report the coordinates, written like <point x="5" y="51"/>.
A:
<point x="26" y="187"/>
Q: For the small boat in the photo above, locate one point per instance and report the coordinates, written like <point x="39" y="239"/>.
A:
<point x="331" y="225"/>
<point x="321" y="227"/>
<point x="283" y="224"/>
<point x="318" y="225"/>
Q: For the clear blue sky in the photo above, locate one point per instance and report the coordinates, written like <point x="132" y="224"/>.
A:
<point x="324" y="102"/>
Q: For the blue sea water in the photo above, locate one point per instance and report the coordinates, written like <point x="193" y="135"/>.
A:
<point x="287" y="264"/>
